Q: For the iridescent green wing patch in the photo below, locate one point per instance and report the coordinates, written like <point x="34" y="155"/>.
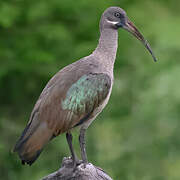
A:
<point x="87" y="93"/>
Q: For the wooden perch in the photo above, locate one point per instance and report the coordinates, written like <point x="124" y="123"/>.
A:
<point x="90" y="172"/>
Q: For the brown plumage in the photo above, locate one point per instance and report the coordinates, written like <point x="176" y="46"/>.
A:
<point x="77" y="93"/>
<point x="48" y="118"/>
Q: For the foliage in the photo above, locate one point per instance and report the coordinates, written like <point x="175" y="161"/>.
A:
<point x="137" y="135"/>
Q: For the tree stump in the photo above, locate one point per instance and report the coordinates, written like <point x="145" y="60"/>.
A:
<point x="82" y="172"/>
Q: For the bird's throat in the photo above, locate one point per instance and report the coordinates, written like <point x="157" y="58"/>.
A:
<point x="107" y="46"/>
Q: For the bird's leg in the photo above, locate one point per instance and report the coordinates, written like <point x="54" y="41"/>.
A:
<point x="69" y="138"/>
<point x="82" y="145"/>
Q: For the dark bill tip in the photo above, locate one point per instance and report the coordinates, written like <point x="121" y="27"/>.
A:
<point x="150" y="50"/>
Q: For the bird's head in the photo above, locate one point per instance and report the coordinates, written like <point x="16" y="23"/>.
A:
<point x="115" y="18"/>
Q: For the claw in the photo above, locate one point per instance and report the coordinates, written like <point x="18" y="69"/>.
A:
<point x="76" y="162"/>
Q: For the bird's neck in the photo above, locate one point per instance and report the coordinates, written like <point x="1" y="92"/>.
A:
<point x="107" y="46"/>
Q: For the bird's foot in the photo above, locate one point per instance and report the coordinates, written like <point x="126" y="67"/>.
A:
<point x="71" y="163"/>
<point x="84" y="163"/>
<point x="75" y="162"/>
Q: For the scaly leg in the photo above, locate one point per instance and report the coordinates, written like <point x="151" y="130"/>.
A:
<point x="69" y="138"/>
<point x="82" y="145"/>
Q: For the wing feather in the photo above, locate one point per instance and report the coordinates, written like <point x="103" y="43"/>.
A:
<point x="67" y="101"/>
<point x="64" y="110"/>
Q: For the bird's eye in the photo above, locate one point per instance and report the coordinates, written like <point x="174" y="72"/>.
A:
<point x="117" y="14"/>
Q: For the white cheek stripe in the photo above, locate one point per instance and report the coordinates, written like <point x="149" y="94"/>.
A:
<point x="112" y="22"/>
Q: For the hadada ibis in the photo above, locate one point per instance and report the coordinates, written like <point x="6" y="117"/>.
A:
<point x="76" y="94"/>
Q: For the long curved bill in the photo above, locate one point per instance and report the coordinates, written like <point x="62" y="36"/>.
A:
<point x="130" y="27"/>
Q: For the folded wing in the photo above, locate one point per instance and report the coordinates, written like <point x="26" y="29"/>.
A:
<point x="61" y="106"/>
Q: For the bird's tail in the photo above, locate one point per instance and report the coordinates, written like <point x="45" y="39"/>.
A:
<point x="32" y="141"/>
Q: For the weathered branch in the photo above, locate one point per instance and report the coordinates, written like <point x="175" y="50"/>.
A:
<point x="82" y="172"/>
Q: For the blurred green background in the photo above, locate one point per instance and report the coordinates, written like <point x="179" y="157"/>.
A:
<point x="137" y="136"/>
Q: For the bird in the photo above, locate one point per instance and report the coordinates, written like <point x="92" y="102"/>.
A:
<point x="76" y="94"/>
